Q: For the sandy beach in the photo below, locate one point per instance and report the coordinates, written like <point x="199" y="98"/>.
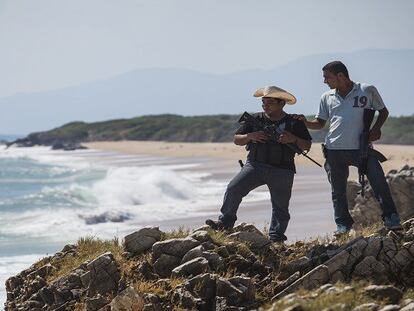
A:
<point x="397" y="155"/>
<point x="310" y="206"/>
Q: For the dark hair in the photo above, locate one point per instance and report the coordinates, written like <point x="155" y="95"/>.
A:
<point x="336" y="67"/>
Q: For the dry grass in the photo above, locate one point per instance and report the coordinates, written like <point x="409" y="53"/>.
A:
<point x="181" y="232"/>
<point x="409" y="294"/>
<point x="152" y="287"/>
<point x="316" y="301"/>
<point x="220" y="238"/>
<point x="88" y="248"/>
<point x="79" y="306"/>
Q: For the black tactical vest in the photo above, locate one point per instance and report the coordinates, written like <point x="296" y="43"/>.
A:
<point x="272" y="152"/>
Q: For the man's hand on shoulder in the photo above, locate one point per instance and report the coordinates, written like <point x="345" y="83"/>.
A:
<point x="316" y="124"/>
<point x="299" y="117"/>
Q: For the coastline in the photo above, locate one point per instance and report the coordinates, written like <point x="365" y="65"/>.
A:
<point x="397" y="155"/>
<point x="310" y="206"/>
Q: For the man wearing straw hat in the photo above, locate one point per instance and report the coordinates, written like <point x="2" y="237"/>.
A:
<point x="269" y="162"/>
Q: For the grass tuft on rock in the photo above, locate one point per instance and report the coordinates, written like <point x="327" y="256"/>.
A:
<point x="348" y="297"/>
<point x="88" y="248"/>
<point x="181" y="232"/>
<point x="161" y="289"/>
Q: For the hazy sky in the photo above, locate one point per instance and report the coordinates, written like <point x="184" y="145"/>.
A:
<point x="46" y="44"/>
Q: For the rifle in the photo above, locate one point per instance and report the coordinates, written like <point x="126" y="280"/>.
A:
<point x="273" y="131"/>
<point x="366" y="149"/>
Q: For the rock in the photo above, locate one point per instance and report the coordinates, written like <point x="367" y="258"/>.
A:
<point x="201" y="236"/>
<point x="372" y="269"/>
<point x="259" y="269"/>
<point x="191" y="268"/>
<point x="174" y="247"/>
<point x="388" y="251"/>
<point x="367" y="307"/>
<point x="390" y="308"/>
<point x="165" y="264"/>
<point x="385" y="292"/>
<point x="338" y="262"/>
<point x="366" y="210"/>
<point x="313" y="279"/>
<point x="374" y="246"/>
<point x="290" y="280"/>
<point x="127" y="300"/>
<point x="406" y="302"/>
<point x="236" y="290"/>
<point x="95" y="303"/>
<point x="247" y="228"/>
<point x="203" y="286"/>
<point x="337" y="307"/>
<point x="409" y="307"/>
<point x="67" y="145"/>
<point x="215" y="262"/>
<point x="301" y="264"/>
<point x="296" y="307"/>
<point x="47" y="296"/>
<point x="141" y="240"/>
<point x="254" y="239"/>
<point x="223" y="252"/>
<point x="185" y="299"/>
<point x="112" y="216"/>
<point x="193" y="253"/>
<point x="402" y="259"/>
<point x="145" y="269"/>
<point x="238" y="263"/>
<point x="102" y="276"/>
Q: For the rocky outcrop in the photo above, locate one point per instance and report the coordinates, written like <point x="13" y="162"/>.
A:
<point x="209" y="270"/>
<point x="93" y="280"/>
<point x="366" y="210"/>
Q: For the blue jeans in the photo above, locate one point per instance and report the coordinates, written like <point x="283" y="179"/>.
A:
<point x="337" y="167"/>
<point x="251" y="176"/>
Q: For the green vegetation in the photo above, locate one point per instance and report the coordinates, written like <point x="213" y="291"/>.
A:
<point x="168" y="127"/>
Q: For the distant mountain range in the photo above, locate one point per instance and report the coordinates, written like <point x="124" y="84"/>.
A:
<point x="157" y="91"/>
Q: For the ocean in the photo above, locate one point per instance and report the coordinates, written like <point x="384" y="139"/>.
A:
<point x="51" y="198"/>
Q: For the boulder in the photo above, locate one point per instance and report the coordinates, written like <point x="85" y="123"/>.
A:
<point x="236" y="290"/>
<point x="141" y="240"/>
<point x="95" y="303"/>
<point x="367" y="307"/>
<point x="366" y="210"/>
<point x="127" y="300"/>
<point x="203" y="286"/>
<point x="186" y="300"/>
<point x="408" y="307"/>
<point x="165" y="264"/>
<point x="252" y="238"/>
<point x="193" y="253"/>
<point x="102" y="277"/>
<point x="201" y="236"/>
<point x="384" y="292"/>
<point x="191" y="268"/>
<point x="174" y="247"/>
<point x="313" y="279"/>
<point x="371" y="269"/>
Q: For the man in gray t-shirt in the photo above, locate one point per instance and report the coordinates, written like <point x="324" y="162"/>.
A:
<point x="343" y="108"/>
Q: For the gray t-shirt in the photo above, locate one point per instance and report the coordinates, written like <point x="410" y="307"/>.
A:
<point x="345" y="115"/>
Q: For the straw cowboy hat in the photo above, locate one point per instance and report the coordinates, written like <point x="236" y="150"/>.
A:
<point x="275" y="92"/>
